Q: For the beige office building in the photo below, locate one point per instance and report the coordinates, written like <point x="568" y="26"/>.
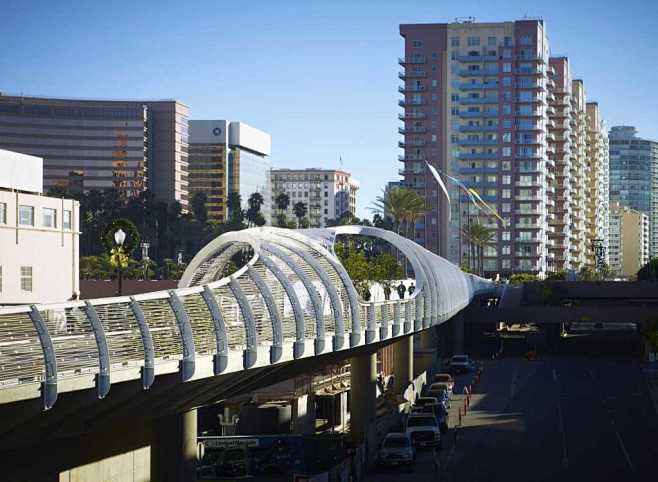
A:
<point x="628" y="240"/>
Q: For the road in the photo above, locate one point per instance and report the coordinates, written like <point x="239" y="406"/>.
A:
<point x="569" y="417"/>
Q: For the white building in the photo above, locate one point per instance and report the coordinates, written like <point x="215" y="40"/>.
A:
<point x="327" y="193"/>
<point x="39" y="236"/>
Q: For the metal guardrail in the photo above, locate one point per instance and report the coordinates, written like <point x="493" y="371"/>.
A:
<point x="292" y="290"/>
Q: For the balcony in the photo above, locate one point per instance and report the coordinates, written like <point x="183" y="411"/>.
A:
<point x="477" y="72"/>
<point x="528" y="226"/>
<point x="411" y="157"/>
<point x="412" y="115"/>
<point x="528" y="71"/>
<point x="478" y="128"/>
<point x="528" y="240"/>
<point x="412" y="60"/>
<point x="532" y="184"/>
<point x="528" y="212"/>
<point x="411" y="102"/>
<point x="478" y="156"/>
<point x="479" y="184"/>
<point x="409" y="172"/>
<point x="478" y="100"/>
<point x="478" y="170"/>
<point x="470" y="115"/>
<point x="529" y="113"/>
<point x="531" y="198"/>
<point x="478" y="85"/>
<point x="412" y="143"/>
<point x="411" y="88"/>
<point x="412" y="130"/>
<point x="412" y="74"/>
<point x="478" y="142"/>
<point x="477" y="58"/>
<point x="530" y="100"/>
<point x="530" y="169"/>
<point x="529" y="127"/>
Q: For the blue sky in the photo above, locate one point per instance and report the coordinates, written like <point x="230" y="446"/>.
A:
<point x="320" y="76"/>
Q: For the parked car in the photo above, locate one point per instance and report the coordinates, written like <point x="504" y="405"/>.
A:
<point x="397" y="449"/>
<point x="440" y="392"/>
<point x="438" y="410"/>
<point x="460" y="364"/>
<point x="424" y="430"/>
<point x="442" y="386"/>
<point x="447" y="379"/>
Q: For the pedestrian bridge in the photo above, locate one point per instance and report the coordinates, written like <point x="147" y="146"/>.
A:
<point x="292" y="300"/>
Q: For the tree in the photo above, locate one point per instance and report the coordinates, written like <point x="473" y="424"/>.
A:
<point x="386" y="270"/>
<point x="282" y="201"/>
<point x="649" y="272"/>
<point x="300" y="209"/>
<point x="403" y="205"/>
<point x="234" y="204"/>
<point x="479" y="237"/>
<point x="518" y="278"/>
<point x="255" y="202"/>
<point x="199" y="207"/>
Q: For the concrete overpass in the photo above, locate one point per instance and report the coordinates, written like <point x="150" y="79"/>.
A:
<point x="84" y="381"/>
<point x="552" y="302"/>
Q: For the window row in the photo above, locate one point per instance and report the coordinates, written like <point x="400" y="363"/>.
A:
<point x="49" y="219"/>
<point x="25" y="278"/>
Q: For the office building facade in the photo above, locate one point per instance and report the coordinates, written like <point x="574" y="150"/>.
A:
<point x="628" y="239"/>
<point x="328" y="194"/>
<point x="96" y="144"/>
<point x="39" y="253"/>
<point x="485" y="103"/>
<point x="228" y="156"/>
<point x="634" y="176"/>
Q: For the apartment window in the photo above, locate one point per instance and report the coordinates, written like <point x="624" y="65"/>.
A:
<point x="525" y="40"/>
<point x="473" y="41"/>
<point x="435" y="83"/>
<point x="66" y="220"/>
<point x="507" y="207"/>
<point x="26" y="215"/>
<point x="434" y="56"/>
<point x="454" y="42"/>
<point x="507" y="53"/>
<point x="26" y="278"/>
<point x="491" y="41"/>
<point x="507" y="41"/>
<point x="507" y="179"/>
<point x="507" y="151"/>
<point x="506" y="263"/>
<point x="506" y="165"/>
<point x="505" y="236"/>
<point x="326" y="194"/>
<point x="507" y="67"/>
<point x="507" y="109"/>
<point x="417" y="44"/>
<point x="506" y="193"/>
<point x="48" y="218"/>
<point x="433" y="137"/>
<point x="3" y="213"/>
<point x="491" y="179"/>
<point x="507" y="81"/>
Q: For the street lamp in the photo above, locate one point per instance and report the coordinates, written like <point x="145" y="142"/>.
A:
<point x="119" y="239"/>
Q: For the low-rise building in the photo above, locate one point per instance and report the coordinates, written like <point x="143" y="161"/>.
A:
<point x="39" y="236"/>
<point x="629" y="239"/>
<point x="327" y="193"/>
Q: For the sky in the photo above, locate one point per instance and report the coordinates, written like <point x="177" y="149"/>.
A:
<point x="320" y="76"/>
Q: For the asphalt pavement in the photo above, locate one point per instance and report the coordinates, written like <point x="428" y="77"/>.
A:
<point x="574" y="415"/>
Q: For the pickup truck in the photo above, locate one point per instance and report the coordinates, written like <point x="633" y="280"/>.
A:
<point x="424" y="430"/>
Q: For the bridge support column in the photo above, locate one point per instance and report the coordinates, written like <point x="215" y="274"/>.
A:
<point x="174" y="448"/>
<point x="363" y="394"/>
<point x="458" y="333"/>
<point x="403" y="363"/>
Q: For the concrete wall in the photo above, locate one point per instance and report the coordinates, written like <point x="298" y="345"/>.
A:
<point x="132" y="466"/>
<point x="51" y="252"/>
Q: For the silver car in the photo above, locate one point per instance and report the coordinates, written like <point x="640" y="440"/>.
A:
<point x="397" y="449"/>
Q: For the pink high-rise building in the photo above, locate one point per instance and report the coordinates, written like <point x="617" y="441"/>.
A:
<point x="483" y="102"/>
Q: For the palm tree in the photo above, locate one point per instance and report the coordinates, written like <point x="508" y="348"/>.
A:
<point x="282" y="201"/>
<point x="300" y="211"/>
<point x="403" y="205"/>
<point x="255" y="202"/>
<point x="479" y="237"/>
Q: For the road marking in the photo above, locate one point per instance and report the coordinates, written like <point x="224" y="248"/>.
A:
<point x="623" y="449"/>
<point x="554" y="375"/>
<point x="565" y="458"/>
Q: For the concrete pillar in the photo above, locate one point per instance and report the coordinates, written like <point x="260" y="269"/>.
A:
<point x="174" y="448"/>
<point x="363" y="394"/>
<point x="403" y="362"/>
<point x="457" y="322"/>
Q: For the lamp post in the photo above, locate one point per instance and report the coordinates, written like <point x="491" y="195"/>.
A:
<point x="119" y="239"/>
